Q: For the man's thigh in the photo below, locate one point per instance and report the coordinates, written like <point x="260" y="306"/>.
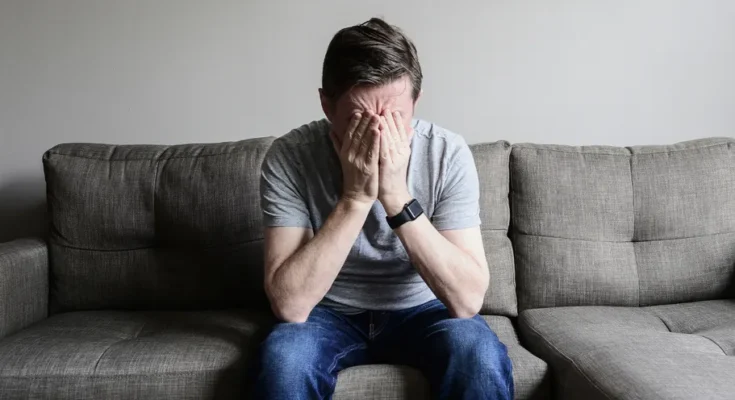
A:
<point x="326" y="343"/>
<point x="429" y="339"/>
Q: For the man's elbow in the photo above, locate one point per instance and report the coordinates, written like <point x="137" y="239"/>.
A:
<point x="466" y="308"/>
<point x="286" y="314"/>
<point x="288" y="311"/>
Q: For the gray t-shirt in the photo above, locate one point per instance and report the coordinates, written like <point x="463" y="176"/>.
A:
<point x="301" y="182"/>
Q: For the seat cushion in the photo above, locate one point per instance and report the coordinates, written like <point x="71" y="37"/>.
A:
<point x="681" y="351"/>
<point x="381" y="381"/>
<point x="400" y="382"/>
<point x="714" y="320"/>
<point x="130" y="355"/>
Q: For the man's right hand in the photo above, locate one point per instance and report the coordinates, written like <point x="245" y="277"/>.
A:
<point x="358" y="152"/>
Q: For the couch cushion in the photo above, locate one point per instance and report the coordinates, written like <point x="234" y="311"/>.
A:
<point x="164" y="227"/>
<point x="604" y="225"/>
<point x="714" y="320"/>
<point x="130" y="355"/>
<point x="530" y="374"/>
<point x="381" y="381"/>
<point x="634" y="353"/>
<point x="491" y="160"/>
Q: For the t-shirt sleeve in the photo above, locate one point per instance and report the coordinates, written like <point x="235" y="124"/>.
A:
<point x="458" y="206"/>
<point x="282" y="190"/>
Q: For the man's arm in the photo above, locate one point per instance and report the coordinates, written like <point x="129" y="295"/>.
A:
<point x="300" y="267"/>
<point x="452" y="261"/>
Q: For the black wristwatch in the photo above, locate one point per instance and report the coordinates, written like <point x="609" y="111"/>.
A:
<point x="410" y="212"/>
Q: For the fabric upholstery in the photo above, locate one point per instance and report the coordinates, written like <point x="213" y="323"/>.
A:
<point x="625" y="353"/>
<point x="714" y="320"/>
<point x="381" y="382"/>
<point x="634" y="226"/>
<point x="491" y="160"/>
<point x="165" y="227"/>
<point x="23" y="284"/>
<point x="530" y="374"/>
<point x="130" y="355"/>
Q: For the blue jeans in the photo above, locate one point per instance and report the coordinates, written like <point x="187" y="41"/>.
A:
<point x="461" y="358"/>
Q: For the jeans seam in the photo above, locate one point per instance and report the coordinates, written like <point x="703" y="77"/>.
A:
<point x="340" y="356"/>
<point x="381" y="328"/>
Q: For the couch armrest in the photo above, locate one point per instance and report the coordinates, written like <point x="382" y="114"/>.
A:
<point x="24" y="284"/>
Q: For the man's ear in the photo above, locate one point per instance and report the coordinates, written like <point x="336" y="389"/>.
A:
<point x="326" y="104"/>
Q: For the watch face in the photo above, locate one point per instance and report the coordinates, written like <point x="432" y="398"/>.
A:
<point x="414" y="209"/>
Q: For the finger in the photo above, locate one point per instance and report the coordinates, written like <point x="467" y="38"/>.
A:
<point x="352" y="127"/>
<point x="392" y="126"/>
<point x="356" y="140"/>
<point x="385" y="145"/>
<point x="372" y="157"/>
<point x="391" y="139"/>
<point x="399" y="124"/>
<point x="368" y="151"/>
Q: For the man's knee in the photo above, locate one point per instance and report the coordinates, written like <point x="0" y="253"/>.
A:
<point x="291" y="363"/>
<point x="472" y="341"/>
<point x="291" y="348"/>
<point x="474" y="352"/>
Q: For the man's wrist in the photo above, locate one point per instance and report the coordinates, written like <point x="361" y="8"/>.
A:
<point x="353" y="205"/>
<point x="393" y="204"/>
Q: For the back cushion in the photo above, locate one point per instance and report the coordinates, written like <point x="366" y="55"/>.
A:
<point x="623" y="226"/>
<point x="491" y="160"/>
<point x="164" y="227"/>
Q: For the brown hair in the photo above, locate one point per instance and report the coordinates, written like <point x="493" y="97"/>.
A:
<point x="371" y="53"/>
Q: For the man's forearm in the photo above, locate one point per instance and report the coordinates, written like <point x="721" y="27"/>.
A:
<point x="452" y="274"/>
<point x="305" y="277"/>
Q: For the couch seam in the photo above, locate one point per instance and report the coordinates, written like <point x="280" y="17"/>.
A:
<point x="574" y="364"/>
<point x="623" y="155"/>
<point x="625" y="241"/>
<point x="657" y="315"/>
<point x="155" y="190"/>
<point x="154" y="247"/>
<point x="238" y="151"/>
<point x="97" y="363"/>
<point x="710" y="339"/>
<point x="137" y="334"/>
<point x="633" y="238"/>
<point x="568" y="152"/>
<point x="116" y="376"/>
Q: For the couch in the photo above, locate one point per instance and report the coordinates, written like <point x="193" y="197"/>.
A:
<point x="612" y="274"/>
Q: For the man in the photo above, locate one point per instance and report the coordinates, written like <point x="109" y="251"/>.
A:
<point x="372" y="243"/>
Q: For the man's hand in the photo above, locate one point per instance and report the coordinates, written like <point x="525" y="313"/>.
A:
<point x="358" y="153"/>
<point x="395" y="151"/>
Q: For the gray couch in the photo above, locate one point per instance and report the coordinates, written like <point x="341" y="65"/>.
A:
<point x="613" y="265"/>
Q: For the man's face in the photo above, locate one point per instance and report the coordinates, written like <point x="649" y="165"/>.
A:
<point x="395" y="96"/>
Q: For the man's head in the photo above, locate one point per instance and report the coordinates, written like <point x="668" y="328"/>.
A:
<point x="369" y="67"/>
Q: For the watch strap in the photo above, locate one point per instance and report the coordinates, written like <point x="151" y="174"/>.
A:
<point x="410" y="212"/>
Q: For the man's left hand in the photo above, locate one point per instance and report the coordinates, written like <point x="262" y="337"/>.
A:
<point x="395" y="151"/>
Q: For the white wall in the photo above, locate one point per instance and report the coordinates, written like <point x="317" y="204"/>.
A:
<point x="617" y="72"/>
